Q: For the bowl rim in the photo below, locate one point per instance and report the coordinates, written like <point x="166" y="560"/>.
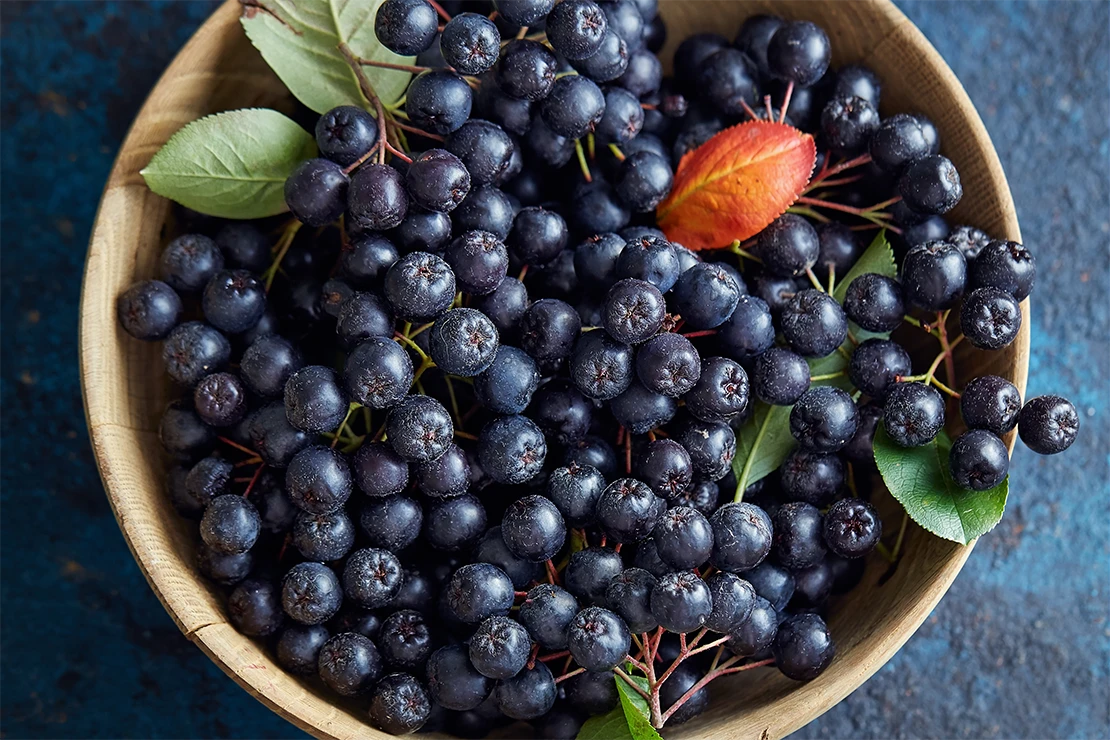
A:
<point x="217" y="639"/>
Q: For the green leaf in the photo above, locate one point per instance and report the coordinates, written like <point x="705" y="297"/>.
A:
<point x="630" y="721"/>
<point x="231" y="165"/>
<point x="300" y="41"/>
<point x="919" y="478"/>
<point x="878" y="257"/>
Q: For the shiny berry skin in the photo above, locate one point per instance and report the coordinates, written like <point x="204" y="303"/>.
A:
<point x="639" y="410"/>
<point x="507" y="385"/>
<point x="876" y="365"/>
<point x="254" y="607"/>
<point x="377" y="199"/>
<point x="990" y="318"/>
<point x="931" y="185"/>
<point x="233" y="301"/>
<point x="627" y="510"/>
<point x="733" y="599"/>
<point x="598" y="639"/>
<point x="189" y="261"/>
<point x="345" y="134"/>
<point x="978" y="460"/>
<point x="629" y="594"/>
<point x="310" y="593"/>
<point x="1048" y="424"/>
<point x="317" y="192"/>
<point x="681" y="602"/>
<point x="754" y="37"/>
<point x="798" y="52"/>
<point x="780" y="377"/>
<point x="634" y="310"/>
<point x="399" y="705"/>
<point x="423" y="230"/>
<point x="318" y="480"/>
<point x="824" y="419"/>
<point x="405" y="640"/>
<point x="533" y="528"/>
<point x="913" y="414"/>
<point x="898" y="141"/>
<point x="990" y="402"/>
<point x="757" y="633"/>
<point x="729" y="80"/>
<point x="575" y="28"/>
<point x="798" y="539"/>
<point x="652" y="259"/>
<point x="499" y="648"/>
<point x="484" y="148"/>
<point x="595" y="259"/>
<point x="437" y="180"/>
<point x="244" y="245"/>
<point x="623" y="118"/>
<point x="969" y="240"/>
<point x="323" y="537"/>
<point x="445" y="476"/>
<point x="600" y="366"/>
<point x="574" y="490"/>
<point x="438" y="101"/>
<point x="813" y="477"/>
<point x="523" y="12"/>
<point x="853" y="528"/>
<point x="453" y="682"/>
<point x="934" y="276"/>
<point x="644" y="74"/>
<point x="547" y="146"/>
<point x="455" y="523"/>
<point x="547" y="612"/>
<point x="349" y="664"/>
<point x="590" y="693"/>
<point x="666" y="467"/>
<point x="683" y="538"/>
<point x="220" y="400"/>
<point x="562" y="413"/>
<point x="209" y="478"/>
<point x="549" y="329"/>
<point x="419" y="428"/>
<point x="406" y="27"/>
<point x="267" y="365"/>
<point x="931" y="229"/>
<point x="470" y="43"/>
<point x="298" y="648"/>
<point x="741" y="537"/>
<point x="848" y="124"/>
<point x="527" y="695"/>
<point x="1006" y="266"/>
<point x="463" y="342"/>
<point x="479" y="591"/>
<point x="749" y="331"/>
<point x="643" y="180"/>
<point x="711" y="445"/>
<point x="692" y="51"/>
<point x="526" y="71"/>
<point x="491" y="549"/>
<point x="230" y="524"/>
<point x="773" y="583"/>
<point x="378" y="373"/>
<point x="148" y="310"/>
<point x="314" y="400"/>
<point x="182" y="433"/>
<point x="803" y="648"/>
<point x="589" y="572"/>
<point x="420" y="286"/>
<point x="609" y="62"/>
<point x="361" y="316"/>
<point x="875" y="302"/>
<point x="486" y="208"/>
<point x="668" y="364"/>
<point x="705" y="295"/>
<point x="814" y="323"/>
<point x="538" y="236"/>
<point x="226" y="570"/>
<point x="511" y="449"/>
<point x="838" y="248"/>
<point x="574" y="106"/>
<point x="378" y="470"/>
<point x="788" y="246"/>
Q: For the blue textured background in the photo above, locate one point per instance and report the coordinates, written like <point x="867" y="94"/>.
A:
<point x="1019" y="648"/>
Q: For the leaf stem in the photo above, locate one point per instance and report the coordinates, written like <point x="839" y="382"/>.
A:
<point x="827" y="376"/>
<point x="582" y="160"/>
<point x="413" y="345"/>
<point x="813" y="279"/>
<point x="283" y="245"/>
<point x="742" y="484"/>
<point x="351" y="408"/>
<point x="832" y="277"/>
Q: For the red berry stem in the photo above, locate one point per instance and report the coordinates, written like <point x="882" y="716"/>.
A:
<point x="572" y="674"/>
<point x="554" y="656"/>
<point x="254" y="480"/>
<point x="415" y="130"/>
<point x="241" y="448"/>
<point x="706" y="333"/>
<point x="786" y="101"/>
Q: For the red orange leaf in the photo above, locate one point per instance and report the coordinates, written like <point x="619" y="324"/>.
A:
<point x="735" y="184"/>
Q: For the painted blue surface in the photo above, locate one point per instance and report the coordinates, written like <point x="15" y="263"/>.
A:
<point x="1019" y="648"/>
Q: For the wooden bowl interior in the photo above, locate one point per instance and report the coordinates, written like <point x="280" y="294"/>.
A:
<point x="125" y="388"/>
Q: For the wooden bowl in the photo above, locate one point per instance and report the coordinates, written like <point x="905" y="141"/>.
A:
<point x="125" y="388"/>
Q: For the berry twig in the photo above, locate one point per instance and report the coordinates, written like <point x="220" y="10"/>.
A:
<point x="582" y="164"/>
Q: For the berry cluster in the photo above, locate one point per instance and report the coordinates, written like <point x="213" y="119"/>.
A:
<point x="471" y="497"/>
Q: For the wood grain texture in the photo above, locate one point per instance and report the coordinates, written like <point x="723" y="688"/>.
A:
<point x="125" y="387"/>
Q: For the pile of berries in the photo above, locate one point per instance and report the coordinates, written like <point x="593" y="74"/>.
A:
<point x="466" y="448"/>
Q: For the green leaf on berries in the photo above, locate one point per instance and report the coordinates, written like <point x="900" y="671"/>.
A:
<point x="231" y="165"/>
<point x="918" y="477"/>
<point x="878" y="258"/>
<point x="630" y="721"/>
<point x="300" y="41"/>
